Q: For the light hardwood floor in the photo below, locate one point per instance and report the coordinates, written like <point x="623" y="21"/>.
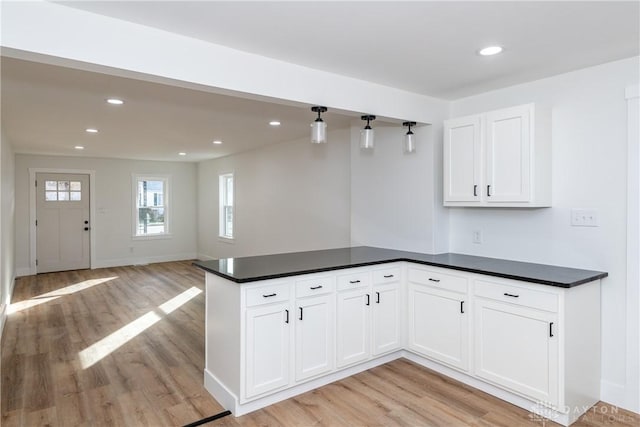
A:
<point x="125" y="347"/>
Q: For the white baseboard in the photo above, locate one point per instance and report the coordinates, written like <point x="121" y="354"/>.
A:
<point x="3" y="317"/>
<point x="618" y="395"/>
<point x="4" y="308"/>
<point x="232" y="403"/>
<point x="204" y="257"/>
<point x="24" y="271"/>
<point x="119" y="262"/>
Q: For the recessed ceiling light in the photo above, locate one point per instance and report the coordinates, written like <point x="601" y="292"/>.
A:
<point x="491" y="50"/>
<point x="115" y="101"/>
<point x="274" y="123"/>
<point x="91" y="130"/>
<point x="217" y="142"/>
<point x="79" y="147"/>
<point x="182" y="153"/>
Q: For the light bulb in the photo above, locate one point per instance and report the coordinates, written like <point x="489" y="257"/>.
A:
<point x="318" y="132"/>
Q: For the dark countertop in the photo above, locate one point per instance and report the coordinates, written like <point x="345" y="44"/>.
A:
<point x="254" y="268"/>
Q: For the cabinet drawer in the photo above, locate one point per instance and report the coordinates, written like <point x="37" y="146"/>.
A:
<point x="517" y="295"/>
<point x="354" y="280"/>
<point x="438" y="279"/>
<point x="317" y="286"/>
<point x="267" y="294"/>
<point x="388" y="275"/>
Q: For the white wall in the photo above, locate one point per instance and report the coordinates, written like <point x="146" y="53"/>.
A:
<point x="396" y="199"/>
<point x="589" y="157"/>
<point x="113" y="217"/>
<point x="291" y="196"/>
<point x="7" y="229"/>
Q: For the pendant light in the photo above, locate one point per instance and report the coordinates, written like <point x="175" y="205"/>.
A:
<point x="409" y="142"/>
<point x="318" y="127"/>
<point x="367" y="134"/>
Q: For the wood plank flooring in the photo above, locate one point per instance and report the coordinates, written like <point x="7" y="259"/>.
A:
<point x="125" y="347"/>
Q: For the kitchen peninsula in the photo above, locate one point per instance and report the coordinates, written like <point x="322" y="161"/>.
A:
<point x="280" y="325"/>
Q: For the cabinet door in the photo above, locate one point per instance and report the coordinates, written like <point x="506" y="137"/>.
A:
<point x="385" y="304"/>
<point x="439" y="325"/>
<point x="267" y="348"/>
<point x="462" y="159"/>
<point x="314" y="336"/>
<point x="517" y="347"/>
<point x="508" y="156"/>
<point x="352" y="326"/>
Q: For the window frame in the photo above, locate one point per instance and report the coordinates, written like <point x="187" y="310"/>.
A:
<point x="166" y="180"/>
<point x="222" y="196"/>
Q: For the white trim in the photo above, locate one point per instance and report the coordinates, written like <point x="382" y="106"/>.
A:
<point x="221" y="218"/>
<point x="120" y="262"/>
<point x="32" y="213"/>
<point x="25" y="271"/>
<point x="164" y="236"/>
<point x="232" y="402"/>
<point x="3" y="308"/>
<point x="205" y="257"/>
<point x="166" y="194"/>
<point x="3" y="317"/>
<point x="632" y="92"/>
<point x="628" y="395"/>
<point x="612" y="393"/>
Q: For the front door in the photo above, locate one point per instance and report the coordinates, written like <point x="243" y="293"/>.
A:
<point x="62" y="222"/>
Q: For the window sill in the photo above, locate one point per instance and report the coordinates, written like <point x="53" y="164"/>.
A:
<point x="226" y="239"/>
<point x="153" y="237"/>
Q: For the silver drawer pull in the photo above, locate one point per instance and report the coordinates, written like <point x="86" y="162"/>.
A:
<point x="433" y="280"/>
<point x="511" y="295"/>
<point x="354" y="281"/>
<point x="388" y="276"/>
<point x="269" y="295"/>
<point x="315" y="287"/>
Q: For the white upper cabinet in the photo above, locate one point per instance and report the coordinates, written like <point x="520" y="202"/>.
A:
<point x="462" y="159"/>
<point x="500" y="158"/>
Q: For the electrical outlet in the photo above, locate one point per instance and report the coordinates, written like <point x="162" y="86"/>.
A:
<point x="584" y="217"/>
<point x="477" y="236"/>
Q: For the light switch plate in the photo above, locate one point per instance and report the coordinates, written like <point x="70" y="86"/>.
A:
<point x="584" y="217"/>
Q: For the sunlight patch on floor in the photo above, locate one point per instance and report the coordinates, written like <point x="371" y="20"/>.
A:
<point x="53" y="295"/>
<point x="99" y="350"/>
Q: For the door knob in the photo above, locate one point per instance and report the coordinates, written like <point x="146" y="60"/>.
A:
<point x="86" y="222"/>
<point x="86" y="229"/>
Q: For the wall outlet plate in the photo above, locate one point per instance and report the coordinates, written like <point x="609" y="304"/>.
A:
<point x="584" y="217"/>
<point x="477" y="236"/>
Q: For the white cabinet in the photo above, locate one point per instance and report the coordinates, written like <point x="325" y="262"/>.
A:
<point x="462" y="160"/>
<point x="267" y="348"/>
<point x="517" y="348"/>
<point x="368" y="316"/>
<point x="439" y="316"/>
<point x="500" y="158"/>
<point x="270" y="340"/>
<point x="516" y="335"/>
<point x="314" y="336"/>
<point x="353" y="326"/>
<point x="385" y="305"/>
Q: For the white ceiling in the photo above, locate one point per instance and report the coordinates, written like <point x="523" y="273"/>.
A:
<point x="46" y="109"/>
<point x="424" y="47"/>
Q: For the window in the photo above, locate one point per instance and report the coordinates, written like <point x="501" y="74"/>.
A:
<point x="62" y="191"/>
<point x="151" y="200"/>
<point x="226" y="206"/>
